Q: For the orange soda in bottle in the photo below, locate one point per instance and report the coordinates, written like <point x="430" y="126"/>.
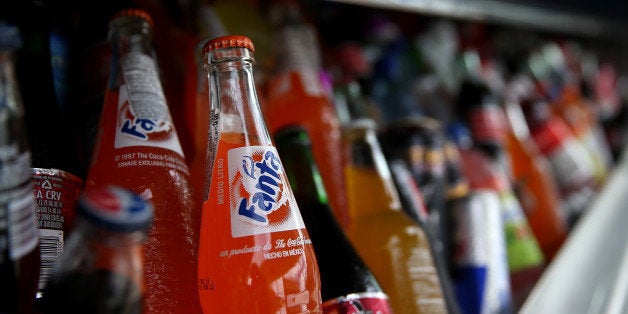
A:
<point x="255" y="254"/>
<point x="137" y="147"/>
<point x="296" y="95"/>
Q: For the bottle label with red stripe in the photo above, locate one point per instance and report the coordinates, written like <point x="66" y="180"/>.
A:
<point x="488" y="124"/>
<point x="359" y="303"/>
<point x="56" y="195"/>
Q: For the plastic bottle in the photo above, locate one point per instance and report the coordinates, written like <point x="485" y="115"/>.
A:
<point x="101" y="270"/>
<point x="56" y="170"/>
<point x="295" y="94"/>
<point x="486" y="120"/>
<point x="562" y="86"/>
<point x="393" y="246"/>
<point x="533" y="177"/>
<point x="348" y="285"/>
<point x="137" y="148"/>
<point x="572" y="164"/>
<point x="19" y="240"/>
<point x="255" y="253"/>
<point x="479" y="257"/>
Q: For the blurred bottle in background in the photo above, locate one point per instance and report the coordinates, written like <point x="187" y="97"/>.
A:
<point x="137" y="148"/>
<point x="252" y="233"/>
<point x="562" y="91"/>
<point x="481" y="111"/>
<point x="57" y="172"/>
<point x="532" y="175"/>
<point x="101" y="270"/>
<point x="480" y="269"/>
<point x="19" y="240"/>
<point x="347" y="284"/>
<point x="399" y="253"/>
<point x="569" y="160"/>
<point x="296" y="94"/>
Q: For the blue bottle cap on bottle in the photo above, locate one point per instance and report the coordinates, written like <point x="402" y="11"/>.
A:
<point x="116" y="209"/>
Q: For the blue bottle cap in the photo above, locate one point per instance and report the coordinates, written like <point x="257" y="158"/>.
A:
<point x="116" y="209"/>
<point x="10" y="37"/>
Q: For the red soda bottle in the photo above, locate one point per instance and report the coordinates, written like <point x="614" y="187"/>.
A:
<point x="137" y="148"/>
<point x="255" y="254"/>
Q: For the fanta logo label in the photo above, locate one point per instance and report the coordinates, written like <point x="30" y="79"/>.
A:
<point x="264" y="175"/>
<point x="261" y="201"/>
<point x="144" y="127"/>
<point x="141" y="128"/>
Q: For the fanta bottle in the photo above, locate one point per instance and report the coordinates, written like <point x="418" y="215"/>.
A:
<point x="255" y="254"/>
<point x="137" y="147"/>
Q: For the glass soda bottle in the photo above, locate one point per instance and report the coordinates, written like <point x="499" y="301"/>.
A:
<point x="255" y="253"/>
<point x="56" y="170"/>
<point x="348" y="285"/>
<point x="19" y="240"/>
<point x="419" y="143"/>
<point x="295" y="94"/>
<point x="101" y="270"/>
<point x="137" y="148"/>
<point x="394" y="247"/>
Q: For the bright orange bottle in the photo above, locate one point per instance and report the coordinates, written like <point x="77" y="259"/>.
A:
<point x="137" y="147"/>
<point x="533" y="181"/>
<point x="295" y="94"/>
<point x="255" y="254"/>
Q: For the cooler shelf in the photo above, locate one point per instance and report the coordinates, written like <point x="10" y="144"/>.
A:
<point x="590" y="272"/>
<point x="536" y="17"/>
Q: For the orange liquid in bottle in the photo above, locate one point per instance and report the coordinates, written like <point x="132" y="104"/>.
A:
<point x="393" y="246"/>
<point x="298" y="98"/>
<point x="156" y="170"/>
<point x="538" y="193"/>
<point x="247" y="265"/>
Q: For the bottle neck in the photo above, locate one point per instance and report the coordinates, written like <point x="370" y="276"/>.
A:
<point x="8" y="81"/>
<point x="11" y="108"/>
<point x="298" y="161"/>
<point x="233" y="96"/>
<point x="128" y="36"/>
<point x="370" y="187"/>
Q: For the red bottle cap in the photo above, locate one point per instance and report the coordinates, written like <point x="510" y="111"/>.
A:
<point x="134" y="13"/>
<point x="227" y="42"/>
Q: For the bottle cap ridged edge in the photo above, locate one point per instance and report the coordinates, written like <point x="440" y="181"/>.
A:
<point x="134" y="12"/>
<point x="228" y="41"/>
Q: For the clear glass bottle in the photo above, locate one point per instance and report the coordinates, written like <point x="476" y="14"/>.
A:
<point x="255" y="253"/>
<point x="101" y="270"/>
<point x="19" y="241"/>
